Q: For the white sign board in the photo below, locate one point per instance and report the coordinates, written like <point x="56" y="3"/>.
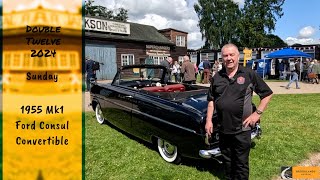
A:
<point x="106" y="26"/>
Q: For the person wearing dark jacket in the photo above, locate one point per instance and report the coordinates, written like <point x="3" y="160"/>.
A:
<point x="90" y="73"/>
<point x="206" y="70"/>
<point x="230" y="94"/>
<point x="167" y="63"/>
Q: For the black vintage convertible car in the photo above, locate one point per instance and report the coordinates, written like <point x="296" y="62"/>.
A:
<point x="169" y="115"/>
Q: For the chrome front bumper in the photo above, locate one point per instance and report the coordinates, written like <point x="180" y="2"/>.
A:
<point x="213" y="153"/>
<point x="207" y="154"/>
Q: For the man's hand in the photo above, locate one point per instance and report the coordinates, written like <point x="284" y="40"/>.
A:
<point x="251" y="120"/>
<point x="209" y="127"/>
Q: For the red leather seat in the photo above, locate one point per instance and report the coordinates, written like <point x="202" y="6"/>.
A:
<point x="174" y="87"/>
<point x="154" y="89"/>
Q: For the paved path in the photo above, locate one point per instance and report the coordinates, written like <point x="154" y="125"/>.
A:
<point x="277" y="88"/>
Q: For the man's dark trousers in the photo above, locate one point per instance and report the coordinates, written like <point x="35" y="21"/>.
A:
<point x="88" y="83"/>
<point x="235" y="149"/>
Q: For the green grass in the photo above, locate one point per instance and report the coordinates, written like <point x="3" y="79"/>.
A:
<point x="290" y="133"/>
<point x="275" y="80"/>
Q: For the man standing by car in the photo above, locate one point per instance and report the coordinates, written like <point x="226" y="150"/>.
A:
<point x="206" y="70"/>
<point x="230" y="94"/>
<point x="89" y="72"/>
<point x="167" y="63"/>
<point x="188" y="71"/>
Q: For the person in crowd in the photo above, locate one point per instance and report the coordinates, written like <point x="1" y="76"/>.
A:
<point x="317" y="68"/>
<point x="90" y="73"/>
<point x="281" y="69"/>
<point x="181" y="74"/>
<point x="229" y="91"/>
<point x="196" y="70"/>
<point x="314" y="71"/>
<point x="216" y="67"/>
<point x="167" y="63"/>
<point x="310" y="71"/>
<point x="304" y="70"/>
<point x="206" y="71"/>
<point x="176" y="71"/>
<point x="295" y="71"/>
<point x="188" y="71"/>
<point x="200" y="68"/>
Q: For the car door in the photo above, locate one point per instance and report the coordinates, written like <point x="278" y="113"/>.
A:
<point x="153" y="116"/>
<point x="117" y="107"/>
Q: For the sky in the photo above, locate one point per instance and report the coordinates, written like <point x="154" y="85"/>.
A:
<point x="299" y="24"/>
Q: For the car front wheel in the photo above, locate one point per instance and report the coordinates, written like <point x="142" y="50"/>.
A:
<point x="168" y="151"/>
<point x="99" y="115"/>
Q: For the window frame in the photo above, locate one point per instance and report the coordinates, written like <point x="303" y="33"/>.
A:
<point x="127" y="59"/>
<point x="181" y="41"/>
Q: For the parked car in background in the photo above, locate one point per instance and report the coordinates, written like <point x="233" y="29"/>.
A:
<point x="171" y="116"/>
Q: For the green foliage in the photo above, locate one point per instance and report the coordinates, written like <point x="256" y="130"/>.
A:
<point x="101" y="11"/>
<point x="221" y="22"/>
<point x="259" y="18"/>
<point x="217" y="21"/>
<point x="272" y="40"/>
<point x="290" y="133"/>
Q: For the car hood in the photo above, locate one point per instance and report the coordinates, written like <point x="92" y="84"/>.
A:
<point x="197" y="102"/>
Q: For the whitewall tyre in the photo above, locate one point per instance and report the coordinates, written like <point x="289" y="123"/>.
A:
<point x="99" y="116"/>
<point x="168" y="151"/>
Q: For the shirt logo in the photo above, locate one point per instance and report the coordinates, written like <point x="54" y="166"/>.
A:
<point x="241" y="80"/>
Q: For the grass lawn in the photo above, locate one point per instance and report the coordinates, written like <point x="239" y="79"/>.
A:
<point x="276" y="80"/>
<point x="290" y="132"/>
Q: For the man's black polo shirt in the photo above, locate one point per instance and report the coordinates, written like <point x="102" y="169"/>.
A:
<point x="233" y="97"/>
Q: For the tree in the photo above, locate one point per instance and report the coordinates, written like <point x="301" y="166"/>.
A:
<point x="259" y="18"/>
<point x="218" y="21"/>
<point x="221" y="22"/>
<point x="274" y="41"/>
<point x="122" y="15"/>
<point x="101" y="11"/>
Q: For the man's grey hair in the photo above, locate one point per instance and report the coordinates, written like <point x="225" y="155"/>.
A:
<point x="230" y="45"/>
<point x="186" y="58"/>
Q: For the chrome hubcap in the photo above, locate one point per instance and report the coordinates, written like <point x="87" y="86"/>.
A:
<point x="168" y="149"/>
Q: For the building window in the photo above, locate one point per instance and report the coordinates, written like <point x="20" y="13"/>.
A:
<point x="127" y="59"/>
<point x="181" y="41"/>
<point x="158" y="59"/>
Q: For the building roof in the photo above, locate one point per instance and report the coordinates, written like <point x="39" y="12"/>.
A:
<point x="171" y="29"/>
<point x="138" y="32"/>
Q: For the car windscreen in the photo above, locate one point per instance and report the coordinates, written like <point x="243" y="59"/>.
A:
<point x="139" y="74"/>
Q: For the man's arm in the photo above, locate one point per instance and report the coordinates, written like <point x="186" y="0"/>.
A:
<point x="209" y="125"/>
<point x="254" y="117"/>
<point x="183" y="68"/>
<point x="264" y="102"/>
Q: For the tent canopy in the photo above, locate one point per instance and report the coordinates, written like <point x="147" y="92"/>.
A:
<point x="287" y="53"/>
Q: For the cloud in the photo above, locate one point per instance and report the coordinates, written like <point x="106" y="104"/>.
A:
<point x="303" y="41"/>
<point x="178" y="9"/>
<point x="194" y="40"/>
<point x="154" y="20"/>
<point x="239" y="2"/>
<point x="176" y="14"/>
<point x="306" y="36"/>
<point x="307" y="32"/>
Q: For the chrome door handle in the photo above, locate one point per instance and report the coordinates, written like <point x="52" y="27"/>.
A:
<point x="128" y="96"/>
